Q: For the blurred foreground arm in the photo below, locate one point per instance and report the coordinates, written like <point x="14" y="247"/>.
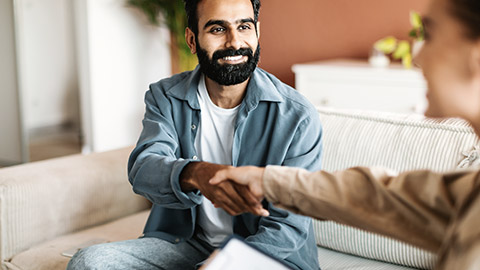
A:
<point x="415" y="207"/>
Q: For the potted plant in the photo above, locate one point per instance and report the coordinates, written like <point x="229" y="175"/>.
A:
<point x="401" y="49"/>
<point x="170" y="13"/>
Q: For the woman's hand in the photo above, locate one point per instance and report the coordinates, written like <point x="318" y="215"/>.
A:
<point x="250" y="176"/>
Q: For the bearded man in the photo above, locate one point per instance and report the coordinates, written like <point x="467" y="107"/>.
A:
<point x="226" y="112"/>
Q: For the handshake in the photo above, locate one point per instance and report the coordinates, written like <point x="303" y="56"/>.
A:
<point x="235" y="189"/>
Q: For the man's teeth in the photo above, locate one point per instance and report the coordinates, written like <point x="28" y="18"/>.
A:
<point x="232" y="58"/>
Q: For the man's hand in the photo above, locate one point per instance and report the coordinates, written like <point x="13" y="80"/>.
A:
<point x="249" y="176"/>
<point x="233" y="198"/>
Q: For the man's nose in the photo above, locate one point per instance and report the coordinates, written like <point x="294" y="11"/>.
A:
<point x="233" y="40"/>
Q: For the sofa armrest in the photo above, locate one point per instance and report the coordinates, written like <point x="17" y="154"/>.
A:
<point x="42" y="200"/>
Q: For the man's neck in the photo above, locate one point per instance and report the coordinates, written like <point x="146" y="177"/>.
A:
<point x="226" y="97"/>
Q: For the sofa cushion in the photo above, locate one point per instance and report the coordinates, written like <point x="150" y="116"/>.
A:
<point x="42" y="200"/>
<point x="369" y="245"/>
<point x="395" y="141"/>
<point x="47" y="255"/>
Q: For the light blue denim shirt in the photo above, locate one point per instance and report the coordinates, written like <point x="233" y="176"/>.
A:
<point x="275" y="126"/>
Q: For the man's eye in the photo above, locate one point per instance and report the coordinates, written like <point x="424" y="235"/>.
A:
<point x="244" y="27"/>
<point x="217" y="30"/>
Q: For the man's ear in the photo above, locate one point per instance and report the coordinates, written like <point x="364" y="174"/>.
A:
<point x="258" y="29"/>
<point x="191" y="41"/>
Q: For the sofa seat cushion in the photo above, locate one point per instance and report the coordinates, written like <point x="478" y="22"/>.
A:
<point x="334" y="260"/>
<point x="349" y="240"/>
<point x="47" y="255"/>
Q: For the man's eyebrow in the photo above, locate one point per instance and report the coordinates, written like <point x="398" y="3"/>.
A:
<point x="224" y="23"/>
<point x="248" y="20"/>
<point x="213" y="22"/>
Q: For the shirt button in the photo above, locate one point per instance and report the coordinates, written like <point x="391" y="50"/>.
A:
<point x="194" y="157"/>
<point x="194" y="127"/>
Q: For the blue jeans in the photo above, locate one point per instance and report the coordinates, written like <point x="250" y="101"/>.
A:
<point x="144" y="253"/>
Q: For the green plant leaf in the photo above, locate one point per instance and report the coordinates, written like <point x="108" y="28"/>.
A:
<point x="407" y="60"/>
<point x="386" y="45"/>
<point x="171" y="14"/>
<point x="413" y="33"/>
<point x="415" y="20"/>
<point x="403" y="49"/>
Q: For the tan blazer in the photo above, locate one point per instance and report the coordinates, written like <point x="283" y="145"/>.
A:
<point x="437" y="212"/>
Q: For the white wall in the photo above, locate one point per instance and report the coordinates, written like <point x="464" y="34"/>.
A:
<point x="119" y="56"/>
<point x="46" y="51"/>
<point x="12" y="147"/>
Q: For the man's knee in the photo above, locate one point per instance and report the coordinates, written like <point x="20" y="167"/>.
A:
<point x="93" y="257"/>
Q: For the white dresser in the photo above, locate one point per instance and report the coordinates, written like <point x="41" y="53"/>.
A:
<point x="354" y="84"/>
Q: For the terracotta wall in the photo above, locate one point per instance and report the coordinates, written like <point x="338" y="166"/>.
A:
<point x="311" y="30"/>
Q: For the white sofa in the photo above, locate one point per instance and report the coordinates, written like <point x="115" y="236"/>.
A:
<point x="51" y="206"/>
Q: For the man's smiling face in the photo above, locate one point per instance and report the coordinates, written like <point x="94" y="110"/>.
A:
<point x="227" y="41"/>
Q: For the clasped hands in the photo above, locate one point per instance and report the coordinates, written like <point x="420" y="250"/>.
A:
<point x="236" y="190"/>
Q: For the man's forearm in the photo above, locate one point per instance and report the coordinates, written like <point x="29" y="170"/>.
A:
<point x="187" y="179"/>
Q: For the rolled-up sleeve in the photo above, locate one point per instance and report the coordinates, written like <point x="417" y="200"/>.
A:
<point x="154" y="166"/>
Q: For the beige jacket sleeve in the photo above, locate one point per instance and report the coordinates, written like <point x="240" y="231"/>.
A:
<point x="414" y="207"/>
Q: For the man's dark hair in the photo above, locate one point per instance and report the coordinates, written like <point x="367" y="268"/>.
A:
<point x="192" y="18"/>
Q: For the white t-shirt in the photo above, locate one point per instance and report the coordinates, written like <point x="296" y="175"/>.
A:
<point x="213" y="142"/>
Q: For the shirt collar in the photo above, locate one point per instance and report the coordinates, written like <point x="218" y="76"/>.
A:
<point x="187" y="88"/>
<point x="260" y="88"/>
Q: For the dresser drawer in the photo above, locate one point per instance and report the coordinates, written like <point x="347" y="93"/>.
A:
<point x="356" y="85"/>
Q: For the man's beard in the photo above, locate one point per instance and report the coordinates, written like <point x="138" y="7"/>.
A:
<point x="227" y="74"/>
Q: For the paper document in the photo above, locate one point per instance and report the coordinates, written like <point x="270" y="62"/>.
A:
<point x="238" y="255"/>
